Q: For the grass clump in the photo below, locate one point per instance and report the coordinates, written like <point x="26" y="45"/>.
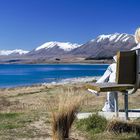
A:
<point x="119" y="126"/>
<point x="93" y="124"/>
<point x="63" y="118"/>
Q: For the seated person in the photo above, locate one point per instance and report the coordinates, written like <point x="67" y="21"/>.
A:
<point x="110" y="76"/>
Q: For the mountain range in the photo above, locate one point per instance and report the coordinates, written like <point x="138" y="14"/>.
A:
<point x="103" y="47"/>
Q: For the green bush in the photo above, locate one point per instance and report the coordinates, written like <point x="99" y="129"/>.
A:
<point x="94" y="124"/>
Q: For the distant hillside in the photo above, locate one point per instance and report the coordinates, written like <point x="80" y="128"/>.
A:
<point x="103" y="47"/>
<point x="12" y="52"/>
<point x="53" y="49"/>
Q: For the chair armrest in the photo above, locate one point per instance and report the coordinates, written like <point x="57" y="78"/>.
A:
<point x="104" y="87"/>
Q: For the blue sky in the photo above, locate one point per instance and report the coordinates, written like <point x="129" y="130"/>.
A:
<point x="27" y="24"/>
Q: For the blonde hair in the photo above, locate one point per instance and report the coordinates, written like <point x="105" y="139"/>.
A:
<point x="137" y="35"/>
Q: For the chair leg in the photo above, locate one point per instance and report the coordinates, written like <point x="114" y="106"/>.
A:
<point x="126" y="104"/>
<point x="116" y="104"/>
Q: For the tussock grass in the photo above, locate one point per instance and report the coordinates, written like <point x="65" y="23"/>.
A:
<point x="119" y="126"/>
<point x="62" y="119"/>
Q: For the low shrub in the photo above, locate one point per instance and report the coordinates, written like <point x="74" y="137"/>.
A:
<point x="94" y="124"/>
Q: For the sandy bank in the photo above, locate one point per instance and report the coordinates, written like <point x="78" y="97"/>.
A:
<point x="74" y="80"/>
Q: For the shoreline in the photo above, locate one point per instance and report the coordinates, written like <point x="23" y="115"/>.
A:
<point x="60" y="82"/>
<point x="74" y="80"/>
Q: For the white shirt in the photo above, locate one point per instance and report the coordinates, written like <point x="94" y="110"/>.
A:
<point x="110" y="73"/>
<point x="137" y="47"/>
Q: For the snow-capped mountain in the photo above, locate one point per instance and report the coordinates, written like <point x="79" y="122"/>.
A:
<point x="105" y="46"/>
<point x="13" y="52"/>
<point x="66" y="46"/>
<point x="102" y="47"/>
<point x="53" y="49"/>
<point x="113" y="37"/>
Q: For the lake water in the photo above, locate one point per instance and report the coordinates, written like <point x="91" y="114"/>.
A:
<point x="21" y="75"/>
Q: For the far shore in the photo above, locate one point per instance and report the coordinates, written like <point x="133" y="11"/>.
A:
<point x="53" y="61"/>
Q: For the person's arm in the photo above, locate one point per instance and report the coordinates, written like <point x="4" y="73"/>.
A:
<point x="93" y="91"/>
<point x="105" y="76"/>
<point x="103" y="79"/>
<point x="136" y="47"/>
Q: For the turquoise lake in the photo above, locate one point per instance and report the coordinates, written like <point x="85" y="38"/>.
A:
<point x="23" y="74"/>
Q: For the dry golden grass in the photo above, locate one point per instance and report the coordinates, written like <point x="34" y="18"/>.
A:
<point x="64" y="116"/>
<point x="30" y="106"/>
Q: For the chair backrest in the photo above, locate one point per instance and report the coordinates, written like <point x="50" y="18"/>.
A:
<point x="126" y="67"/>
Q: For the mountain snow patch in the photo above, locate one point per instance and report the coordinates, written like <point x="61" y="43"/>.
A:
<point x="9" y="52"/>
<point x="66" y="46"/>
<point x="114" y="37"/>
